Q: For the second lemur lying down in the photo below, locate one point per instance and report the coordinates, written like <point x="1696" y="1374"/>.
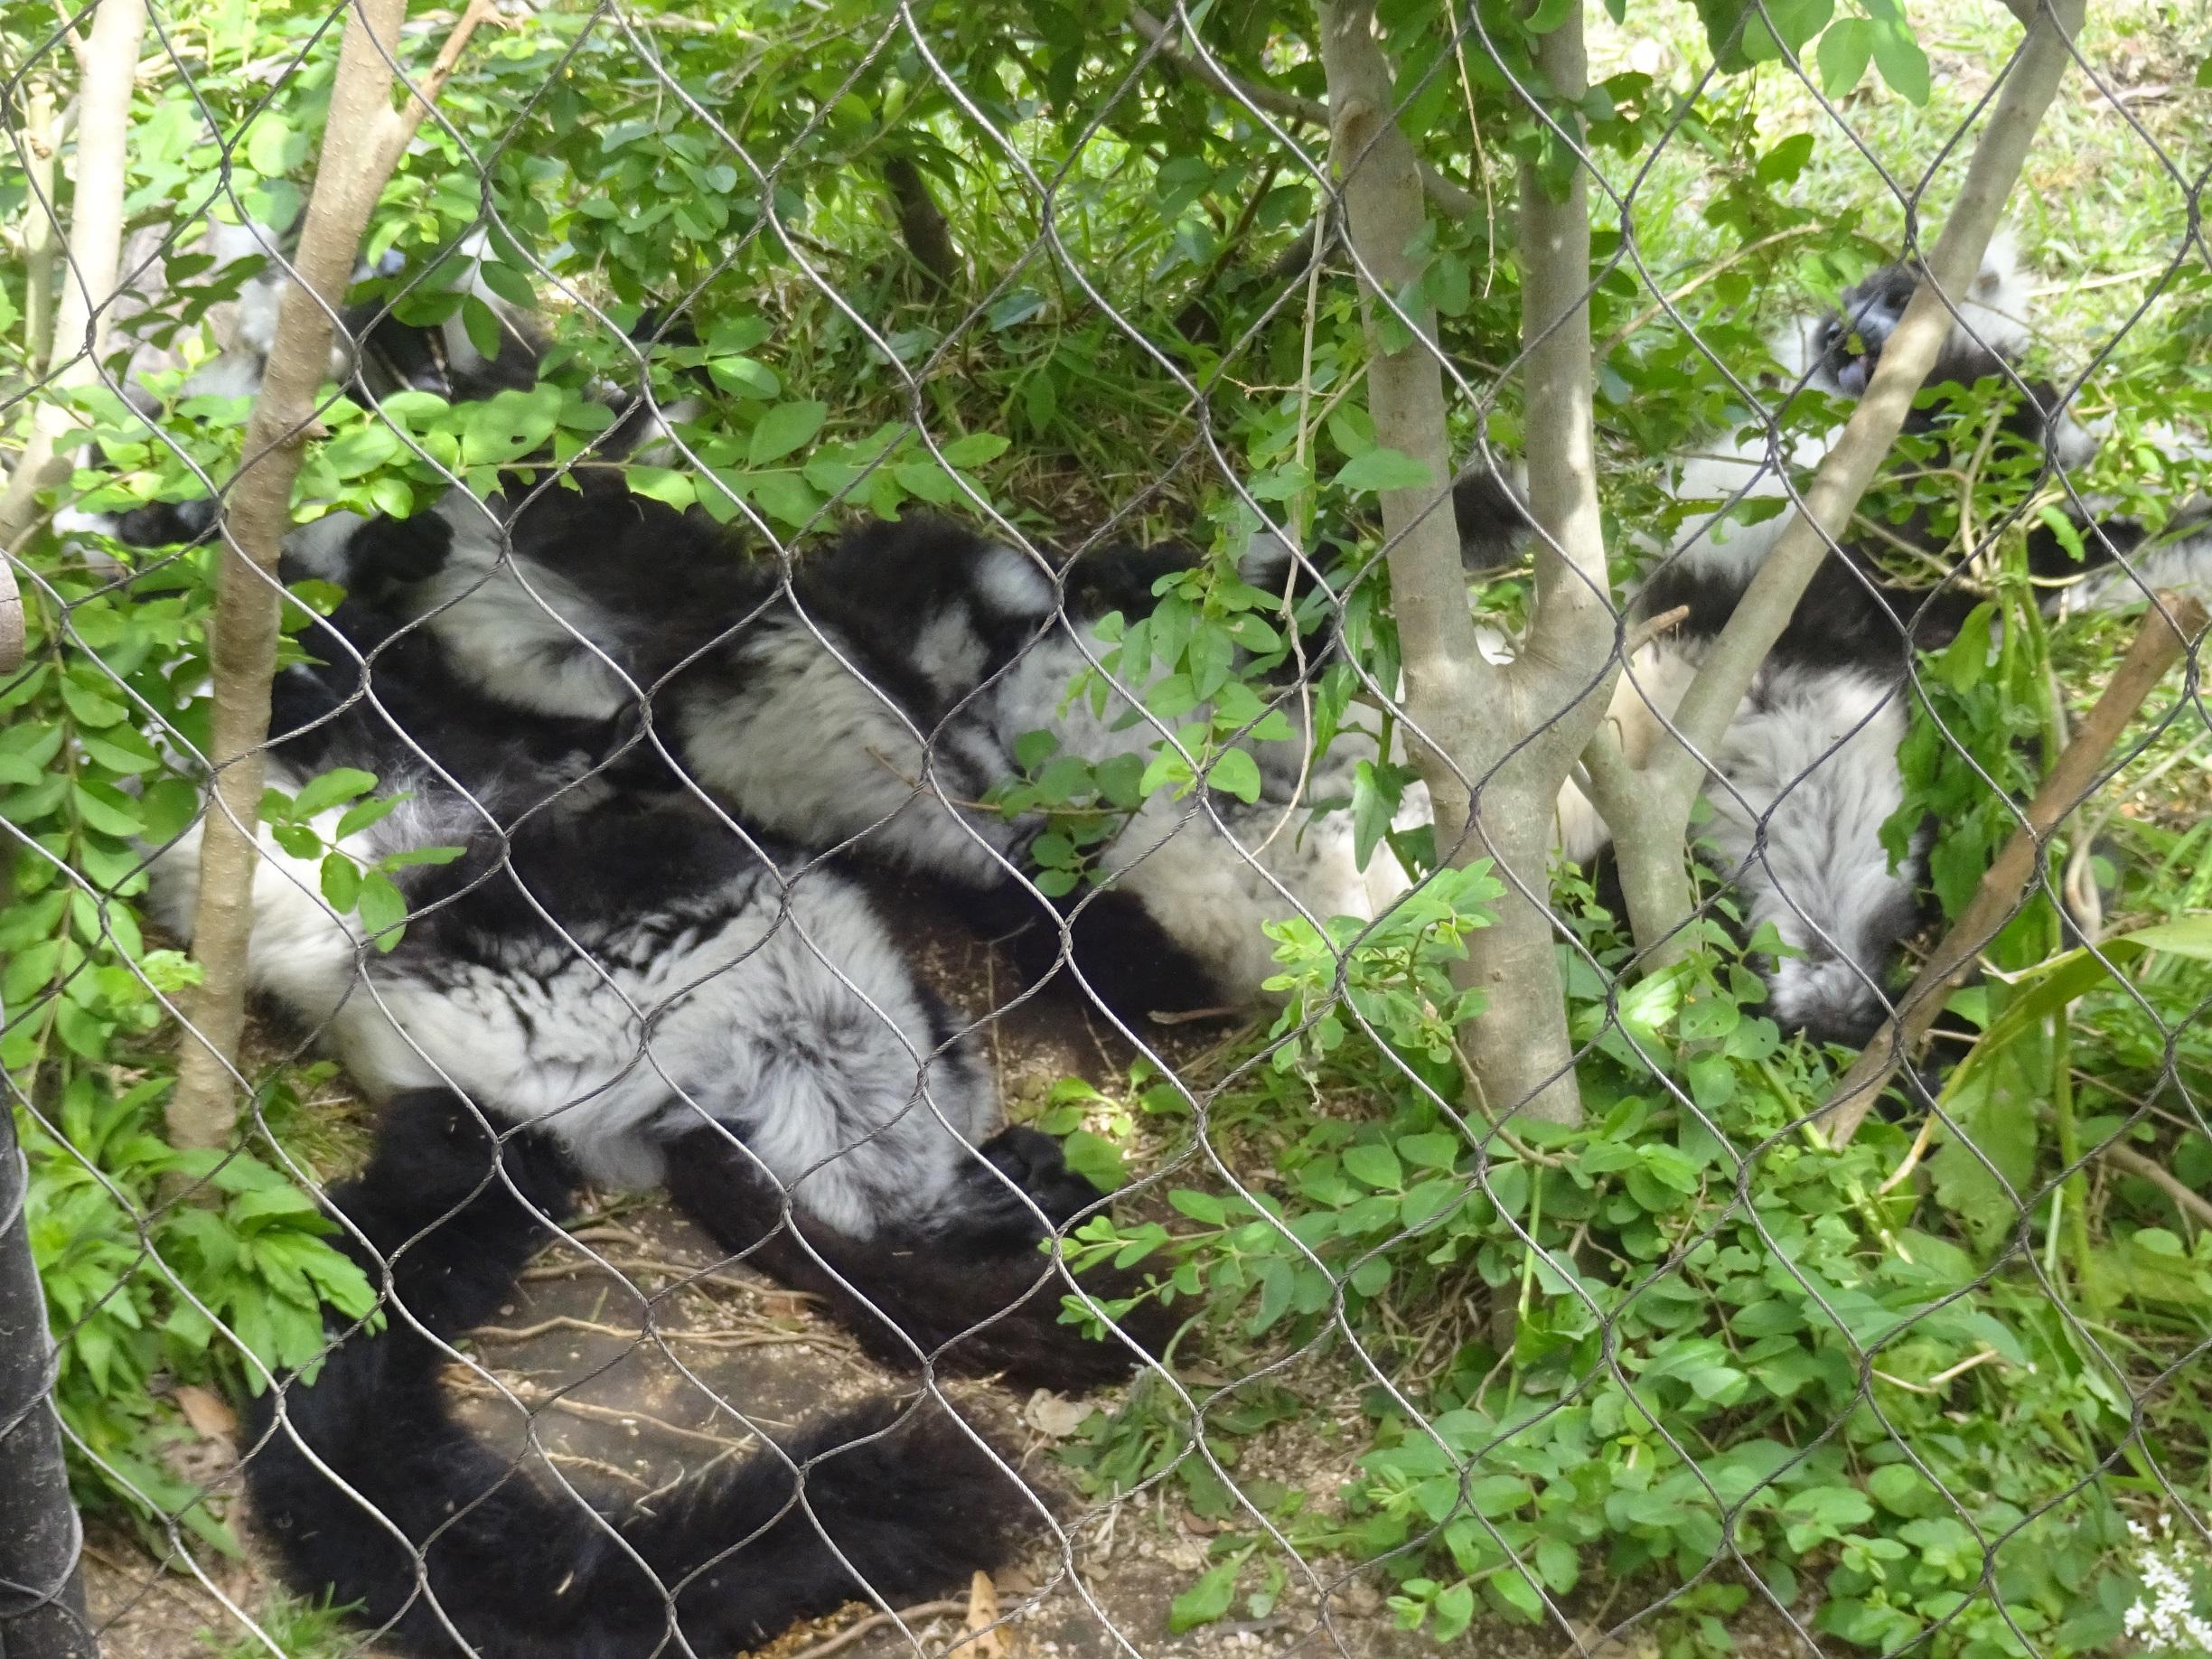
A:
<point x="435" y="1535"/>
<point x="629" y="971"/>
<point x="1806" y="775"/>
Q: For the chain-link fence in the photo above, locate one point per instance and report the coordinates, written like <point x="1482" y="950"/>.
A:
<point x="880" y="828"/>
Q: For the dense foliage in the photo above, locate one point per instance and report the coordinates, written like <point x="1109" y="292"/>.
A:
<point x="1689" y="1343"/>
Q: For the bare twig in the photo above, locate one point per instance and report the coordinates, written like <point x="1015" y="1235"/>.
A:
<point x="396" y="128"/>
<point x="2162" y="639"/>
<point x="362" y="141"/>
<point x="1652" y="627"/>
<point x="95" y="252"/>
<point x="2191" y="1202"/>
<point x="635" y="1333"/>
<point x="1913" y="1155"/>
<point x="535" y="1398"/>
<point x="852" y="1633"/>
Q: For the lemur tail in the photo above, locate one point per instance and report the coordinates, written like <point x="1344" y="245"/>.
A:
<point x="373" y="1491"/>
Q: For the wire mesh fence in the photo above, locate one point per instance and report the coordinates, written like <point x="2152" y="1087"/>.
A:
<point x="865" y="828"/>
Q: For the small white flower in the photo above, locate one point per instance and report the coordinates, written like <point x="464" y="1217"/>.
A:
<point x="2165" y="1618"/>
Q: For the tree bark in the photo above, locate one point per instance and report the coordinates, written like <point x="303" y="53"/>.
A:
<point x="95" y="252"/>
<point x="42" y="1542"/>
<point x="357" y="158"/>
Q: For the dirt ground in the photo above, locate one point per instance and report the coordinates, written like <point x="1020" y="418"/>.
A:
<point x="623" y="1410"/>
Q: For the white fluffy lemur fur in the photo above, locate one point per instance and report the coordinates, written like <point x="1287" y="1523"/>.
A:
<point x="614" y="962"/>
<point x="868" y="708"/>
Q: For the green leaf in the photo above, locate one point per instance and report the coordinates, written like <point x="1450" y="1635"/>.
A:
<point x="744" y="377"/>
<point x="340" y="882"/>
<point x="510" y="284"/>
<point x="268" y="148"/>
<point x="503" y="429"/>
<point x="340" y="784"/>
<point x="359" y="817"/>
<point x="410" y="857"/>
<point x="1200" y="1207"/>
<point x="383" y="909"/>
<point x="1209" y="657"/>
<point x="1384" y="469"/>
<point x="360" y="449"/>
<point x="1454" y="1607"/>
<point x="89" y="701"/>
<point x="1206" y="1600"/>
<point x="1845" y="50"/>
<point x="1434" y="1151"/>
<point x="975" y="449"/>
<point x="2191" y="936"/>
<point x="168" y="805"/>
<point x="1376" y="792"/>
<point x="1376" y="1165"/>
<point x="1032" y="749"/>
<point x="1097" y="1159"/>
<point x="108" y="810"/>
<point x="1901" y="61"/>
<point x="1235" y="773"/>
<point x="783" y="428"/>
<point x="783" y="496"/>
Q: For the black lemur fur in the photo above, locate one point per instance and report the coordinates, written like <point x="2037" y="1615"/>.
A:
<point x="898" y="1502"/>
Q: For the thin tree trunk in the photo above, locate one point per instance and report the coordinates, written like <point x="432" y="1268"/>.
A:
<point x="1494" y="745"/>
<point x="94" y="251"/>
<point x="362" y="142"/>
<point x="258" y="510"/>
<point x="2012" y="879"/>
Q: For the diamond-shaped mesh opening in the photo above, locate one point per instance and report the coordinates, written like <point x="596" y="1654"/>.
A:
<point x="794" y="913"/>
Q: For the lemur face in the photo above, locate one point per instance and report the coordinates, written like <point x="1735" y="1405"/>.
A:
<point x="1846" y="348"/>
